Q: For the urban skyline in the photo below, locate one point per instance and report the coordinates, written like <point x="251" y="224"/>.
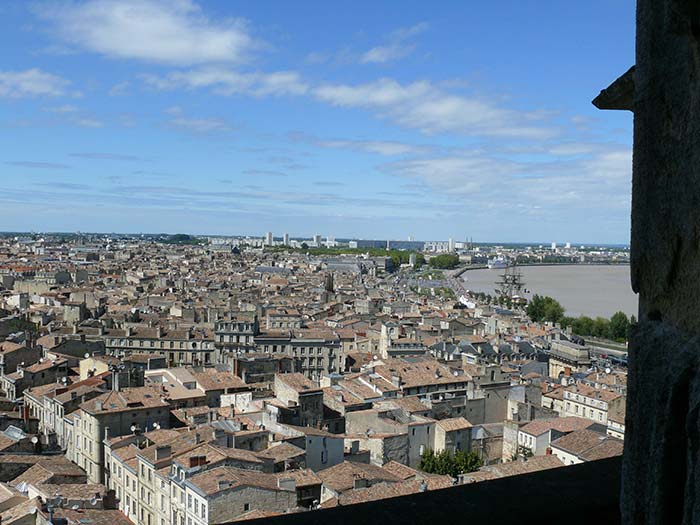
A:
<point x="237" y="118"/>
<point x="284" y="237"/>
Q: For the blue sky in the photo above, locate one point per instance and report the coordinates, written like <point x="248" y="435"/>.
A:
<point x="356" y="119"/>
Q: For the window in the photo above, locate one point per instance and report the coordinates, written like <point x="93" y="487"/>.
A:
<point x="246" y="507"/>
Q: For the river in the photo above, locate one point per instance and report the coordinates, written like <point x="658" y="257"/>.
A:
<point x="592" y="290"/>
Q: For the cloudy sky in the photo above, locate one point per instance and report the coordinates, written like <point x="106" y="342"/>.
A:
<point x="356" y="119"/>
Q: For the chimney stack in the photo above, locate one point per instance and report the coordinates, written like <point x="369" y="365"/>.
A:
<point x="163" y="452"/>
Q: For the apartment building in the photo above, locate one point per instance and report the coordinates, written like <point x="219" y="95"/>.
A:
<point x="592" y="403"/>
<point x="181" y="346"/>
<point x="235" y="332"/>
<point x="113" y="413"/>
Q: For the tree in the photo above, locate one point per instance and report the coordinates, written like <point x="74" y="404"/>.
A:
<point x="553" y="311"/>
<point x="445" y="261"/>
<point x="567" y="322"/>
<point x="535" y="309"/>
<point x="427" y="461"/>
<point x="583" y="325"/>
<point x="420" y="260"/>
<point x="450" y="465"/>
<point x="545" y="309"/>
<point x="468" y="461"/>
<point x="304" y="246"/>
<point x="619" y="326"/>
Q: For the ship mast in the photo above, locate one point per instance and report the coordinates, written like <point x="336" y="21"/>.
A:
<point x="510" y="283"/>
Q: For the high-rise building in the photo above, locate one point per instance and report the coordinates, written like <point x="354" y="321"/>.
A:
<point x="286" y="239"/>
<point x="317" y="239"/>
<point x="451" y="245"/>
<point x="268" y="239"/>
<point x="554" y="246"/>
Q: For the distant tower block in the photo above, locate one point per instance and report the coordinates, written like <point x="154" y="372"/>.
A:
<point x="451" y="245"/>
<point x="412" y="259"/>
<point x="286" y="239"/>
<point x="268" y="239"/>
<point x="554" y="246"/>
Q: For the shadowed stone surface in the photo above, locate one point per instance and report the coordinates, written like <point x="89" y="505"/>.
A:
<point x="619" y="94"/>
<point x="660" y="469"/>
<point x="665" y="248"/>
<point x="661" y="482"/>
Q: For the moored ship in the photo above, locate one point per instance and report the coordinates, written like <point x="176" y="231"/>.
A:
<point x="498" y="263"/>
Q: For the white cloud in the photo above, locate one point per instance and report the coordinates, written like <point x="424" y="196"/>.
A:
<point x="67" y="108"/>
<point x="380" y="93"/>
<point x="88" y="122"/>
<point x="387" y="148"/>
<point x="396" y="48"/>
<point x="168" y="32"/>
<point x="383" y="54"/>
<point x="198" y="125"/>
<point x="423" y="106"/>
<point x="601" y="179"/>
<point x="31" y="83"/>
<point x="381" y="147"/>
<point x="229" y="82"/>
<point x="118" y="89"/>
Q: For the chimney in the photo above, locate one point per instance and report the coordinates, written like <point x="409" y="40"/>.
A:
<point x="288" y="484"/>
<point x="98" y="406"/>
<point x="163" y="452"/>
<point x="196" y="461"/>
<point x="360" y="483"/>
